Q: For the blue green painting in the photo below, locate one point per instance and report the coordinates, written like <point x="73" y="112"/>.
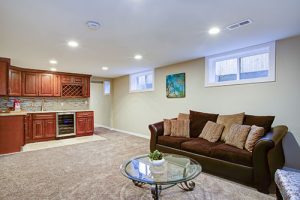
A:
<point x="175" y="84"/>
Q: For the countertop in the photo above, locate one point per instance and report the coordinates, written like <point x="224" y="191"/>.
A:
<point x="13" y="113"/>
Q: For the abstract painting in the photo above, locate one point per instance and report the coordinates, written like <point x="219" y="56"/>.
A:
<point x="175" y="85"/>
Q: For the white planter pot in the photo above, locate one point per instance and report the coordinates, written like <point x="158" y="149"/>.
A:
<point x="157" y="162"/>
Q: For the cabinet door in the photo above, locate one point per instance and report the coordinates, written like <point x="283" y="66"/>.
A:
<point x="89" y="127"/>
<point x="49" y="128"/>
<point x="46" y="85"/>
<point x="30" y="84"/>
<point x="38" y="129"/>
<point x="80" y="125"/>
<point x="28" y="128"/>
<point x="15" y="84"/>
<point x="86" y="87"/>
<point x="56" y="86"/>
<point x="4" y="63"/>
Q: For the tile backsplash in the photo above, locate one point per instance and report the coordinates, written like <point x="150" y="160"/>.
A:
<point x="51" y="103"/>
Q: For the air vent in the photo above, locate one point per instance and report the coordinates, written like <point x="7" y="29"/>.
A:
<point x="239" y="24"/>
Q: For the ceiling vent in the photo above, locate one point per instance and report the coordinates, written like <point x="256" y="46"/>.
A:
<point x="93" y="25"/>
<point x="239" y="24"/>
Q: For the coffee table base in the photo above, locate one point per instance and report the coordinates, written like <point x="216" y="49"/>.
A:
<point x="156" y="189"/>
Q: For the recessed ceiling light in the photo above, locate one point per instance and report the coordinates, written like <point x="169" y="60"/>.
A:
<point x="54" y="62"/>
<point x="104" y="68"/>
<point x="93" y="25"/>
<point x="138" y="57"/>
<point x="53" y="69"/>
<point x="214" y="31"/>
<point x="73" y="43"/>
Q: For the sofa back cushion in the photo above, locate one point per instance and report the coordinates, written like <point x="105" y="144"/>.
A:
<point x="254" y="135"/>
<point x="237" y="135"/>
<point x="228" y="120"/>
<point x="212" y="131"/>
<point x="262" y="121"/>
<point x="183" y="116"/>
<point x="167" y="127"/>
<point x="198" y="121"/>
<point x="180" y="128"/>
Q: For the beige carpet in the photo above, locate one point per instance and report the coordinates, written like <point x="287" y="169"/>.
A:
<point x="91" y="171"/>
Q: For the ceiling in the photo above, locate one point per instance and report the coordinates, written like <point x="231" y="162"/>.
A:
<point x="163" y="31"/>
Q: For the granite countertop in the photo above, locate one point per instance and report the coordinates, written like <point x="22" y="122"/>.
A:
<point x="13" y="113"/>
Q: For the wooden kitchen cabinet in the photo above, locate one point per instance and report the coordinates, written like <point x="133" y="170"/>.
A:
<point x="30" y="84"/>
<point x="4" y="65"/>
<point x="56" y="85"/>
<point x="84" y="123"/>
<point x="46" y="85"/>
<point x="15" y="84"/>
<point x="86" y="87"/>
<point x="11" y="133"/>
<point x="41" y="127"/>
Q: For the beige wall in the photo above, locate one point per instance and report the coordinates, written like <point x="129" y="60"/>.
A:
<point x="135" y="111"/>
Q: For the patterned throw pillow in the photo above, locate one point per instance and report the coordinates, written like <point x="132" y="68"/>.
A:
<point x="167" y="127"/>
<point x="212" y="131"/>
<point x="237" y="135"/>
<point x="183" y="116"/>
<point x="180" y="128"/>
<point x="254" y="135"/>
<point x="227" y="121"/>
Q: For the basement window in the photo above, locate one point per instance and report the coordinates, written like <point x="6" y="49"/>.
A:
<point x="249" y="65"/>
<point x="141" y="82"/>
<point x="106" y="87"/>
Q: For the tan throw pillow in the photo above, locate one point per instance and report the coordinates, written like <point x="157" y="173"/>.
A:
<point x="254" y="135"/>
<point x="237" y="135"/>
<point x="180" y="128"/>
<point x="228" y="120"/>
<point x="167" y="127"/>
<point x="183" y="116"/>
<point x="212" y="131"/>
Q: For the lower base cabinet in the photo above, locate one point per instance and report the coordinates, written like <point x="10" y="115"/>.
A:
<point x="11" y="133"/>
<point x="84" y="123"/>
<point x="40" y="127"/>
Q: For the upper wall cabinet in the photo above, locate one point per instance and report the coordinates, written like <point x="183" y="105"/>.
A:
<point x="46" y="85"/>
<point x="4" y="65"/>
<point x="56" y="85"/>
<point x="15" y="84"/>
<point x="30" y="84"/>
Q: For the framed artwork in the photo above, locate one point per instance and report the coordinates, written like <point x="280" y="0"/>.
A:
<point x="175" y="85"/>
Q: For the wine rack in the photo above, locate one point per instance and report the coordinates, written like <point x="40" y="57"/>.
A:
<point x="72" y="90"/>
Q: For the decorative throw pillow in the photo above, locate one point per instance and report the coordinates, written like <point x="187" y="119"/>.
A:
<point x="254" y="135"/>
<point x="180" y="128"/>
<point x="167" y="127"/>
<point x="183" y="116"/>
<point x="228" y="120"/>
<point x="237" y="135"/>
<point x="212" y="131"/>
<point x="198" y="121"/>
<point x="261" y="121"/>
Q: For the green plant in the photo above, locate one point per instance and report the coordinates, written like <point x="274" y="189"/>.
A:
<point x="155" y="155"/>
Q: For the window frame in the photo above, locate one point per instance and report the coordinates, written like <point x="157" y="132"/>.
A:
<point x="210" y="68"/>
<point x="140" y="74"/>
<point x="107" y="94"/>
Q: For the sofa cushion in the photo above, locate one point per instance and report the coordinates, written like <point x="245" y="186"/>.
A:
<point x="212" y="131"/>
<point x="199" y="146"/>
<point x="171" y="141"/>
<point x="228" y="120"/>
<point x="167" y="127"/>
<point x="254" y="135"/>
<point x="198" y="121"/>
<point x="183" y="116"/>
<point x="237" y="135"/>
<point x="232" y="154"/>
<point x="262" y="121"/>
<point x="180" y="128"/>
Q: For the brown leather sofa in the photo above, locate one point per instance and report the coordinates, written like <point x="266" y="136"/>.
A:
<point x="255" y="169"/>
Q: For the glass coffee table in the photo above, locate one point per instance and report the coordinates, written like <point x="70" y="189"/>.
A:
<point x="176" y="170"/>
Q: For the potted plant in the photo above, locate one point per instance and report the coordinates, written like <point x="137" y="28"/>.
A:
<point x="156" y="158"/>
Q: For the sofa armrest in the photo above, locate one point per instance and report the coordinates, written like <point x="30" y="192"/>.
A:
<point x="271" y="142"/>
<point x="155" y="130"/>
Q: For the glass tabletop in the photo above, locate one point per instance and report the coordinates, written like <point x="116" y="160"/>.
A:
<point x="175" y="169"/>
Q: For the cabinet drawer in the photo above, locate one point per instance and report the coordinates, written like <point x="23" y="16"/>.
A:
<point x="77" y="79"/>
<point x="85" y="114"/>
<point x="44" y="116"/>
<point x="67" y="79"/>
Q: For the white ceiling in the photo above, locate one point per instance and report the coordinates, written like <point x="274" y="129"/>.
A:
<point x="164" y="31"/>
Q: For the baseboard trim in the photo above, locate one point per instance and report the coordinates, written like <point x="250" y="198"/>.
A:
<point x="102" y="126"/>
<point x="132" y="133"/>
